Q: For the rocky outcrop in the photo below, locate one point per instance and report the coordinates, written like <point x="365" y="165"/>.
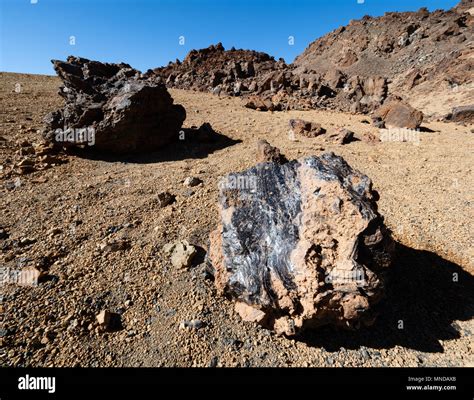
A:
<point x="112" y="108"/>
<point x="270" y="85"/>
<point x="302" y="246"/>
<point x="223" y="71"/>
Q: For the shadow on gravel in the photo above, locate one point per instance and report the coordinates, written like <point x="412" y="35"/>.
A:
<point x="197" y="143"/>
<point x="424" y="294"/>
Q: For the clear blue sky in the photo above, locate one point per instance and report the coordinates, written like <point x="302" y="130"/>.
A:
<point x="145" y="33"/>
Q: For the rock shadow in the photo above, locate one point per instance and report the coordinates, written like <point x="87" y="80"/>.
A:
<point x="425" y="295"/>
<point x="191" y="143"/>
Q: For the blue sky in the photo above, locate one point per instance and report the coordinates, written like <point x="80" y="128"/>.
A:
<point x="146" y="33"/>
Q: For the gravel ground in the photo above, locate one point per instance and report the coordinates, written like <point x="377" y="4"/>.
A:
<point x="61" y="219"/>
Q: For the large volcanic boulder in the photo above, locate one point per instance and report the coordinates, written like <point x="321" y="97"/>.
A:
<point x="301" y="244"/>
<point x="124" y="112"/>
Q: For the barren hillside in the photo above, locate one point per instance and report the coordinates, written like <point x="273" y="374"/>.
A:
<point x="425" y="55"/>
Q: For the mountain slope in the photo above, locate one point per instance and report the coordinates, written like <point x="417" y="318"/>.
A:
<point x="421" y="53"/>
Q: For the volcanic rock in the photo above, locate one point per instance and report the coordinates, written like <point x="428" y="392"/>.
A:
<point x="341" y="136"/>
<point x="108" y="320"/>
<point x="165" y="198"/>
<point x="364" y="94"/>
<point x="260" y="104"/>
<point x="417" y="52"/>
<point x="268" y="153"/>
<point x="181" y="253"/>
<point x="397" y="114"/>
<point x="305" y="128"/>
<point x="231" y="71"/>
<point x="113" y="108"/>
<point x="463" y="114"/>
<point x="303" y="248"/>
<point x="192" y="181"/>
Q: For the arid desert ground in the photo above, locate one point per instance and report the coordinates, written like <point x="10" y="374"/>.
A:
<point x="61" y="218"/>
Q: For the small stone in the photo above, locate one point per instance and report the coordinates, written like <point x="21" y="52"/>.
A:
<point x="73" y="323"/>
<point x="26" y="241"/>
<point x="30" y="276"/>
<point x="105" y="319"/>
<point x="268" y="153"/>
<point x="3" y="234"/>
<point x="54" y="231"/>
<point x="192" y="181"/>
<point x="249" y="314"/>
<point x="165" y="199"/>
<point x="194" y="324"/>
<point x="181" y="253"/>
<point x="117" y="245"/>
<point x="365" y="354"/>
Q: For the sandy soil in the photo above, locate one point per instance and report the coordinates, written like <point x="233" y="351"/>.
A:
<point x="69" y="210"/>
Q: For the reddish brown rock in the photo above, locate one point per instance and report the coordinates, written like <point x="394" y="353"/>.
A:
<point x="268" y="153"/>
<point x="340" y="136"/>
<point x="397" y="114"/>
<point x="335" y="78"/>
<point x="304" y="128"/>
<point x="259" y="103"/>
<point x="418" y="51"/>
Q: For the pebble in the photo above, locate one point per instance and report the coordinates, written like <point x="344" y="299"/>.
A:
<point x="104" y="319"/>
<point x="26" y="241"/>
<point x="193" y="324"/>
<point x="181" y="253"/>
<point x="365" y="354"/>
<point x="165" y="199"/>
<point x="192" y="181"/>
